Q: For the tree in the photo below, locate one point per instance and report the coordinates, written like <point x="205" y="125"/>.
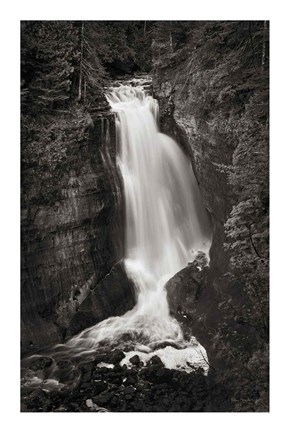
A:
<point x="49" y="53"/>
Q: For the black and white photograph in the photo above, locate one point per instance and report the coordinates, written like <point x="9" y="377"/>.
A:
<point x="145" y="216"/>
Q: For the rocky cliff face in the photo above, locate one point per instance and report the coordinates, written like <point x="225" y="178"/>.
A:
<point x="181" y="118"/>
<point x="71" y="216"/>
<point x="203" y="86"/>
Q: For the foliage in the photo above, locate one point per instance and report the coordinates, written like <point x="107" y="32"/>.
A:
<point x="221" y="70"/>
<point x="49" y="58"/>
<point x="119" y="42"/>
<point x="63" y="61"/>
<point x="64" y="68"/>
<point x="247" y="230"/>
<point x="50" y="150"/>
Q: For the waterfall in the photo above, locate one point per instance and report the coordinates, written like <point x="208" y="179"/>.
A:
<point x="166" y="223"/>
<point x="166" y="226"/>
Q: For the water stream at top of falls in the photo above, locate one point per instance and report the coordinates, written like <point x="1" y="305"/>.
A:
<point x="166" y="227"/>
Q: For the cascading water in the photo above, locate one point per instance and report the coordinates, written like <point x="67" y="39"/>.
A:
<point x="166" y="226"/>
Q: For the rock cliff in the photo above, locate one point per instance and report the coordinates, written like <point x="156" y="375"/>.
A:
<point x="181" y="116"/>
<point x="71" y="223"/>
<point x="212" y="88"/>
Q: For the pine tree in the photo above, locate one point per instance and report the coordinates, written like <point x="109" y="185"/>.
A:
<point x="52" y="50"/>
<point x="92" y="74"/>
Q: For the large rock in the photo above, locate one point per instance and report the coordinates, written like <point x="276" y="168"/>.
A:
<point x="185" y="287"/>
<point x="183" y="291"/>
<point x="189" y="295"/>
<point x="113" y="296"/>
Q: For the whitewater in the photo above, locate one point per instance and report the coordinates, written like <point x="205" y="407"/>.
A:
<point x="166" y="226"/>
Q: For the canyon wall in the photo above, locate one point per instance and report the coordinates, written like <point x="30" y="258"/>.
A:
<point x="182" y="117"/>
<point x="212" y="87"/>
<point x="71" y="223"/>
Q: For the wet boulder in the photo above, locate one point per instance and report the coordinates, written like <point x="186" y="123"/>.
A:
<point x="135" y="360"/>
<point x="157" y="375"/>
<point x="184" y="289"/>
<point x="155" y="360"/>
<point x="40" y="363"/>
<point x="113" y="296"/>
<point x="191" y="301"/>
<point x="115" y="357"/>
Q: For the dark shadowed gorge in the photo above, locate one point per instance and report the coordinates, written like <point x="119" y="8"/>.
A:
<point x="210" y="83"/>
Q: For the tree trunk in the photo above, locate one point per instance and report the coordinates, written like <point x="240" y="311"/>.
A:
<point x="81" y="63"/>
<point x="84" y="90"/>
<point x="264" y="46"/>
<point x="171" y="38"/>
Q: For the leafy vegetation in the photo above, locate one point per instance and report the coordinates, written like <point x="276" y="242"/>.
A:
<point x="49" y="151"/>
<point x="221" y="70"/>
<point x="65" y="66"/>
<point x="247" y="230"/>
<point x="66" y="61"/>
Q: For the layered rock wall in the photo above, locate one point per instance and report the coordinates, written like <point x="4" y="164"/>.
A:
<point x="71" y="242"/>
